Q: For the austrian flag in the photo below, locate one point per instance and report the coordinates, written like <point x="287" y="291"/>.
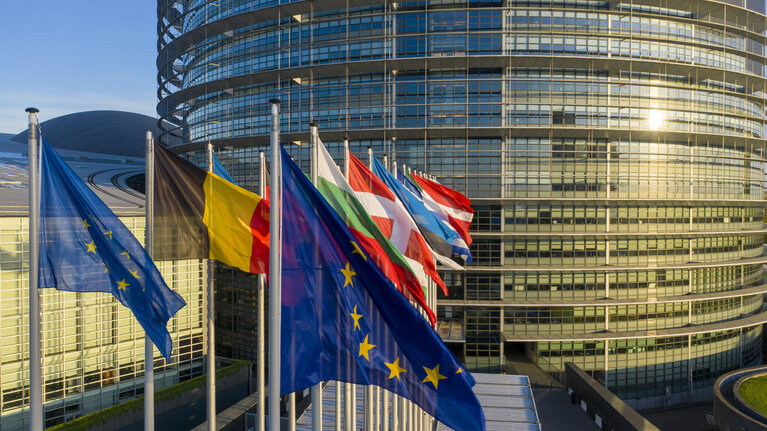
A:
<point x="450" y="204"/>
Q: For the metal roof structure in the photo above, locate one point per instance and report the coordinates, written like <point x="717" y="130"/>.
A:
<point x="507" y="401"/>
<point x="106" y="132"/>
<point x="106" y="175"/>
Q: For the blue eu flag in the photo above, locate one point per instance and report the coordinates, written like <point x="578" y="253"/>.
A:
<point x="343" y="320"/>
<point x="84" y="247"/>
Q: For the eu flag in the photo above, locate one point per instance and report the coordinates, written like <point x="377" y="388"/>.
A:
<point x="84" y="247"/>
<point x="343" y="320"/>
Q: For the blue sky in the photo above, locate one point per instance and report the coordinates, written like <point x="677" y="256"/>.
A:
<point x="65" y="56"/>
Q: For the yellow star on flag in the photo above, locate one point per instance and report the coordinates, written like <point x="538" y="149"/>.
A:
<point x="460" y="370"/>
<point x="348" y="273"/>
<point x="358" y="251"/>
<point x="108" y="233"/>
<point x="106" y="268"/>
<point x="91" y="247"/>
<point x="127" y="255"/>
<point x="433" y="376"/>
<point x="356" y="318"/>
<point x="85" y="223"/>
<point x="395" y="369"/>
<point x="134" y="273"/>
<point x="365" y="348"/>
<point x="122" y="284"/>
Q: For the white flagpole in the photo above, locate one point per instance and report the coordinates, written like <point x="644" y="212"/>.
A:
<point x="35" y="351"/>
<point x="337" y="426"/>
<point x="275" y="272"/>
<point x="339" y="412"/>
<point x="385" y="411"/>
<point x="149" y="246"/>
<point x="316" y="389"/>
<point x="292" y="411"/>
<point x="261" y="365"/>
<point x="377" y="408"/>
<point x="395" y="400"/>
<point x="348" y="387"/>
<point x="370" y="406"/>
<point x="211" y="358"/>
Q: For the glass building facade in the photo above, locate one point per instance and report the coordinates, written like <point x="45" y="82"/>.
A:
<point x="93" y="347"/>
<point x="613" y="150"/>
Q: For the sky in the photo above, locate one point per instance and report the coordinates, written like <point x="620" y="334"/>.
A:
<point x="66" y="56"/>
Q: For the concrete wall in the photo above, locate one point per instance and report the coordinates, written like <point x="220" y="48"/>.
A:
<point x="607" y="410"/>
<point x="731" y="413"/>
<point x="188" y="409"/>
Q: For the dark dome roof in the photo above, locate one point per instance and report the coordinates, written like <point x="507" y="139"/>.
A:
<point x="106" y="132"/>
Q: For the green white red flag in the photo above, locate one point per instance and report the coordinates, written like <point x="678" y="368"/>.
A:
<point x="337" y="191"/>
<point x="396" y="223"/>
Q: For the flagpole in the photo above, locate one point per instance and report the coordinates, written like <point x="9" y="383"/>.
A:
<point x="35" y="353"/>
<point x="261" y="365"/>
<point x="349" y="419"/>
<point x="369" y="394"/>
<point x="211" y="358"/>
<point x="393" y="156"/>
<point x="380" y="409"/>
<point x="149" y="246"/>
<point x="395" y="400"/>
<point x="275" y="272"/>
<point x="339" y="413"/>
<point x="316" y="389"/>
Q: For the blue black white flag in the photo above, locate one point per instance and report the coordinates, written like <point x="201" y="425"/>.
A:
<point x="442" y="237"/>
<point x="84" y="247"/>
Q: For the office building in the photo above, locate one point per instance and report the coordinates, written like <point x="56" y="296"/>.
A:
<point x="613" y="150"/>
<point x="93" y="347"/>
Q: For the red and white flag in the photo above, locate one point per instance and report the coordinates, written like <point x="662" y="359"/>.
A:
<point x="450" y="204"/>
<point x="391" y="217"/>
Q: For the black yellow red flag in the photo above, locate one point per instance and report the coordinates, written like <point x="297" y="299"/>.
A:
<point x="199" y="215"/>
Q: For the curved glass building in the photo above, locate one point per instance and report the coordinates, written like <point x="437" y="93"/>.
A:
<point x="614" y="152"/>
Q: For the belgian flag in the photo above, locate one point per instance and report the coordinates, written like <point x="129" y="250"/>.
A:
<point x="199" y="215"/>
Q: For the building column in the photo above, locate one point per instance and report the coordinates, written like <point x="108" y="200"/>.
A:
<point x="607" y="360"/>
<point x="502" y="357"/>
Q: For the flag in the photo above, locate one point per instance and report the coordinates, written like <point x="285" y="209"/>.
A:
<point x="339" y="324"/>
<point x="449" y="203"/>
<point x="442" y="238"/>
<point x="198" y="214"/>
<point x="413" y="187"/>
<point x="393" y="220"/>
<point x="84" y="247"/>
<point x="220" y="170"/>
<point x="339" y="194"/>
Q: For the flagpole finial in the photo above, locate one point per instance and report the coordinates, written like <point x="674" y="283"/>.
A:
<point x="313" y="124"/>
<point x="274" y="101"/>
<point x="32" y="110"/>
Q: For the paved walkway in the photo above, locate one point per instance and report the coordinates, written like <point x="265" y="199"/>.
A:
<point x="558" y="414"/>
<point x="682" y="418"/>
